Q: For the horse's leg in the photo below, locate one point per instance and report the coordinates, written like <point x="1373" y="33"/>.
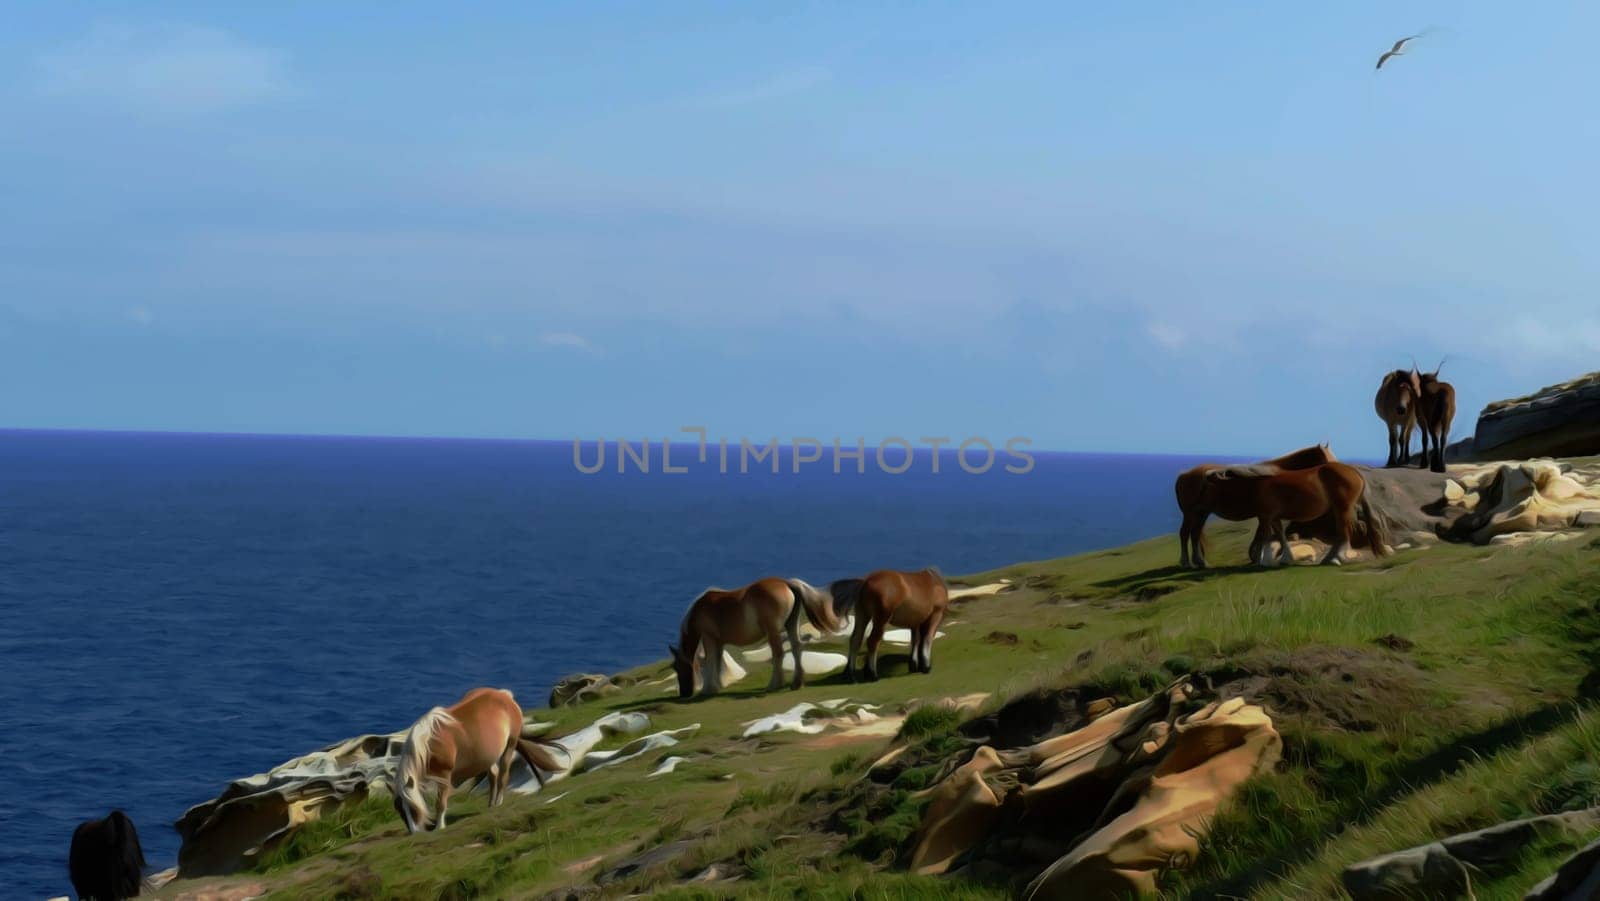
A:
<point x="711" y="672"/>
<point x="1258" y="543"/>
<point x="503" y="780"/>
<point x="916" y="647"/>
<point x="930" y="631"/>
<point x="1426" y="436"/>
<point x="880" y="619"/>
<point x="1198" y="535"/>
<point x="775" y="642"/>
<point x="855" y="644"/>
<point x="1285" y="554"/>
<point x="1185" y="532"/>
<point x="445" y="787"/>
<point x="1346" y="526"/>
<point x="1394" y="443"/>
<point x="794" y="648"/>
<point x="1405" y="442"/>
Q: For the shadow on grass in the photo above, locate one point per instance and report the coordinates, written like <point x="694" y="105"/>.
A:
<point x="1359" y="807"/>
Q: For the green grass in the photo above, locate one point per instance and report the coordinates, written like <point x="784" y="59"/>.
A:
<point x="1468" y="712"/>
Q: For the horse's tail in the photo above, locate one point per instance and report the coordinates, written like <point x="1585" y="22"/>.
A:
<point x="540" y="758"/>
<point x="412" y="769"/>
<point x="818" y="605"/>
<point x="1376" y="524"/>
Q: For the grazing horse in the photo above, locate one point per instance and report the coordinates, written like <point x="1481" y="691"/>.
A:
<point x="1333" y="490"/>
<point x="915" y="601"/>
<point x="1436" y="407"/>
<point x="106" y="862"/>
<point x="1197" y="504"/>
<point x="481" y="734"/>
<point x="766" y="608"/>
<point x="1396" y="403"/>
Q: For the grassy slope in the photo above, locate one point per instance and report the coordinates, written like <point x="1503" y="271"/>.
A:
<point x="1476" y="722"/>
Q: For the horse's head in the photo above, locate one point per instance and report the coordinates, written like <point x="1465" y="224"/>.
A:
<point x="1407" y="389"/>
<point x="684" y="665"/>
<point x="408" y="802"/>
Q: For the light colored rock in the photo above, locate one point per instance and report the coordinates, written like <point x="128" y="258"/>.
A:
<point x="580" y="688"/>
<point x="980" y="591"/>
<point x="1526" y="496"/>
<point x="809" y="719"/>
<point x="1453" y="491"/>
<point x="1194" y="767"/>
<point x="1170" y="772"/>
<point x="594" y="760"/>
<point x="960" y="813"/>
<point x="666" y="766"/>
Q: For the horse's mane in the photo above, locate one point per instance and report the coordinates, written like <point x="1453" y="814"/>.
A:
<point x="414" y="754"/>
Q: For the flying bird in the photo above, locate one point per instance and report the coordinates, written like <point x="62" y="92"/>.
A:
<point x="1396" y="50"/>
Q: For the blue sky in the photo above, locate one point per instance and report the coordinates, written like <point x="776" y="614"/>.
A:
<point x="1158" y="227"/>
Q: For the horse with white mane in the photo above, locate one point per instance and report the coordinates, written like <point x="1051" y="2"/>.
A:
<point x="479" y="735"/>
<point x="766" y="608"/>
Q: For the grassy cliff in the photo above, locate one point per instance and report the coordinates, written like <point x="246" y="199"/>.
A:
<point x="1420" y="695"/>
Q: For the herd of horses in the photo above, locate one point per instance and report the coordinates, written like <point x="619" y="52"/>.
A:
<point x="479" y="737"/>
<point x="1308" y="493"/>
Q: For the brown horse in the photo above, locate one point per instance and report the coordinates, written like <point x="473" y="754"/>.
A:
<point x="915" y="601"/>
<point x="1396" y="403"/>
<point x="1436" y="408"/>
<point x="481" y="734"/>
<point x="767" y="608"/>
<point x="1197" y="503"/>
<point x="1333" y="490"/>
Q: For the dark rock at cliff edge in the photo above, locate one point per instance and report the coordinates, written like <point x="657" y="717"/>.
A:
<point x="1559" y="421"/>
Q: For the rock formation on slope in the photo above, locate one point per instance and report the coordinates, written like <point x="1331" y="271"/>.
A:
<point x="1102" y="810"/>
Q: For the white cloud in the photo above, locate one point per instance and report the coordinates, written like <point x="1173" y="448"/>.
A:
<point x="566" y="339"/>
<point x="163" y="69"/>
<point x="783" y="85"/>
<point x="1166" y="335"/>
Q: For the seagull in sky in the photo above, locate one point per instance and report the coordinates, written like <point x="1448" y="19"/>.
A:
<point x="1397" y="50"/>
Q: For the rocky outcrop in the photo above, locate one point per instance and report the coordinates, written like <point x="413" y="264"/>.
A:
<point x="1488" y="503"/>
<point x="251" y="815"/>
<point x="1441" y="869"/>
<point x="1558" y="421"/>
<point x="1101" y="810"/>
<point x="581" y="688"/>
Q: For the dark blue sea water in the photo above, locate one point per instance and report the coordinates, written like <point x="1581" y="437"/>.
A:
<point x="180" y="610"/>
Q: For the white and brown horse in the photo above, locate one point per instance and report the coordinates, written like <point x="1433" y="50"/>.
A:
<point x="1333" y="491"/>
<point x="479" y="735"/>
<point x="1197" y="504"/>
<point x="909" y="600"/>
<point x="766" y="608"/>
<point x="1396" y="404"/>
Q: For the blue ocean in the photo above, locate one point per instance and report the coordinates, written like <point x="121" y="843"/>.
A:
<point x="180" y="610"/>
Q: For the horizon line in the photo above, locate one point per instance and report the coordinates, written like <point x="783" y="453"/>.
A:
<point x="785" y="442"/>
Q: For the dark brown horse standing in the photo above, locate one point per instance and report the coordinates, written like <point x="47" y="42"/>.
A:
<point x="1396" y="403"/>
<point x="1436" y="408"/>
<point x="1333" y="490"/>
<point x="910" y="600"/>
<point x="1197" y="503"/>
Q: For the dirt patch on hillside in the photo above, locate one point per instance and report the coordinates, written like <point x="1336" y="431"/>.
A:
<point x="1354" y="689"/>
